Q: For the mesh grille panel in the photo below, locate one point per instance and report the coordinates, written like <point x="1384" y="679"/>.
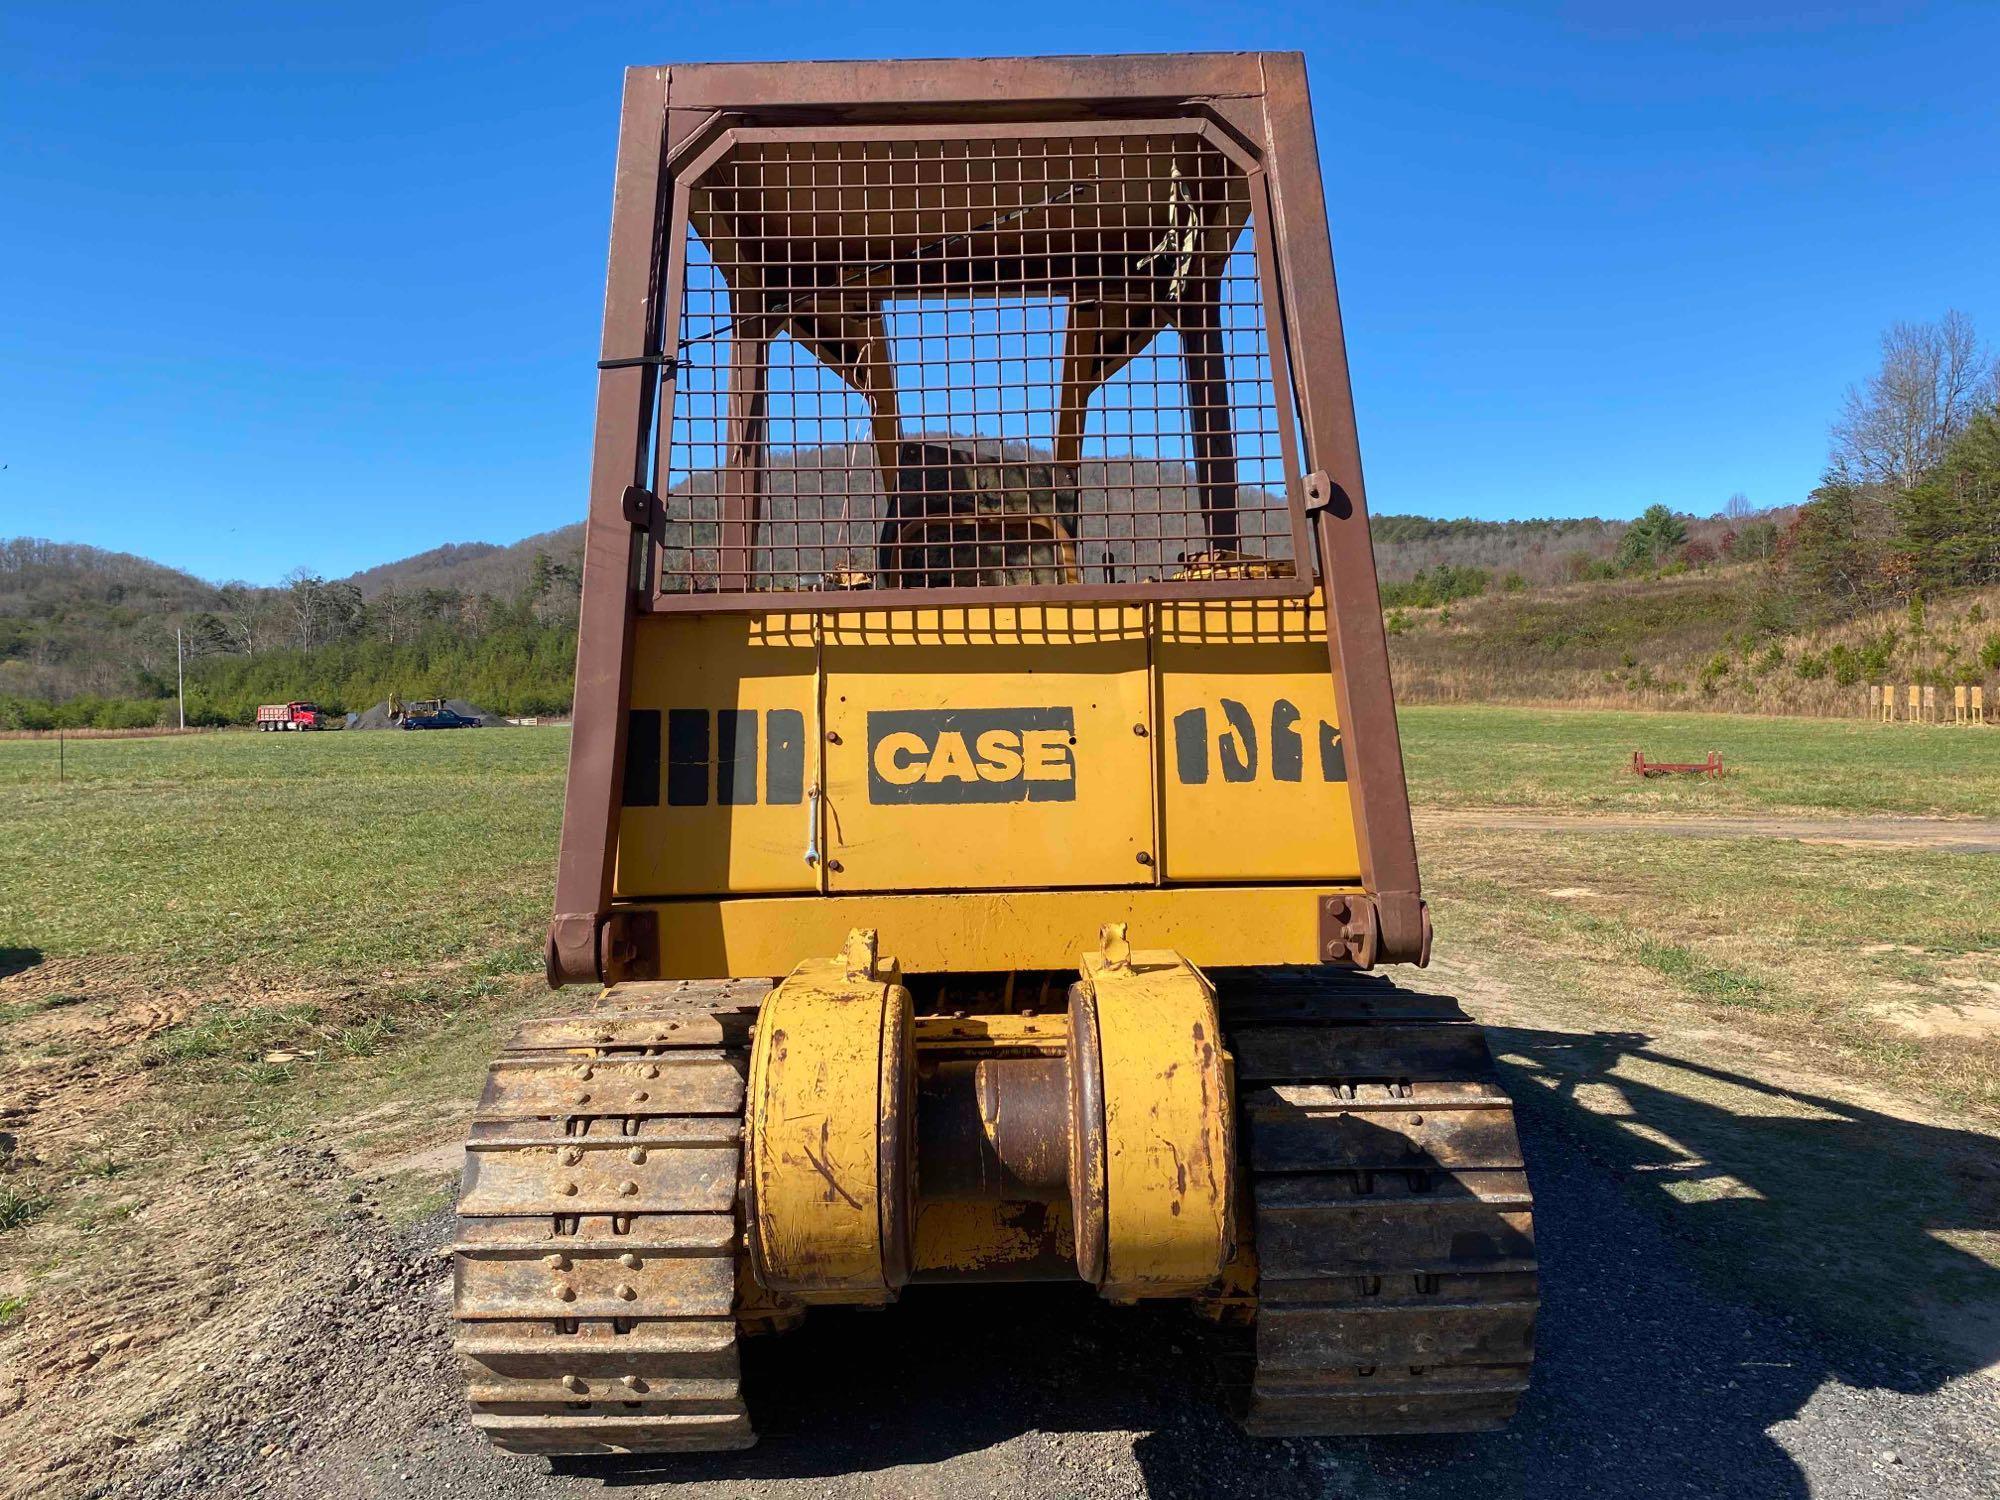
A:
<point x="977" y="363"/>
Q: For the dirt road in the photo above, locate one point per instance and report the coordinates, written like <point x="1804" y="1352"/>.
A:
<point x="1656" y="1377"/>
<point x="1946" y="835"/>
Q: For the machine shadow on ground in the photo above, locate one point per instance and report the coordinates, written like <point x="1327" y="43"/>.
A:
<point x="18" y="961"/>
<point x="1703" y="1260"/>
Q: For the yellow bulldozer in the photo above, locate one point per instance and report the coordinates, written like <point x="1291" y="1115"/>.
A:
<point x="985" y="803"/>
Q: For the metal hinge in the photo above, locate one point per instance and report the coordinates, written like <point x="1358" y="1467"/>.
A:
<point x="642" y="507"/>
<point x="1319" y="491"/>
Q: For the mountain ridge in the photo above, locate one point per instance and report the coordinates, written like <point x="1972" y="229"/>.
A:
<point x="77" y="620"/>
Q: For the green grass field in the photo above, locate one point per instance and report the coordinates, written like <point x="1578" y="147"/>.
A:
<point x="242" y="940"/>
<point x="293" y="856"/>
<point x="380" y="872"/>
<point x="317" y="856"/>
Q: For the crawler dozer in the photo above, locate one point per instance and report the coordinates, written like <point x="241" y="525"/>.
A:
<point x="985" y="805"/>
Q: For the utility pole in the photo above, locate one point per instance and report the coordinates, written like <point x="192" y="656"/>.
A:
<point x="180" y="677"/>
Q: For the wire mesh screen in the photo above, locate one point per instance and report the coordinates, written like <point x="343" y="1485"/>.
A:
<point x="989" y="362"/>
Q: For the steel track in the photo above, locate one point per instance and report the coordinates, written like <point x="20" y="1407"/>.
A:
<point x="599" y="1249"/>
<point x="599" y="1227"/>
<point x="1392" y="1222"/>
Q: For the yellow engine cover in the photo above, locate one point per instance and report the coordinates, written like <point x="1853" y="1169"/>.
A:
<point x="983" y="748"/>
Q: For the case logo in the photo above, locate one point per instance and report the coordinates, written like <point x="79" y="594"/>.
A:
<point x="972" y="755"/>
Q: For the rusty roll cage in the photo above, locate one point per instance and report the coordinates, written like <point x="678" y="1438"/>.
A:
<point x="1252" y="111"/>
<point x="802" y="240"/>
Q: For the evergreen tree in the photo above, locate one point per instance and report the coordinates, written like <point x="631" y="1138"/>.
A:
<point x="1950" y="522"/>
<point x="1831" y="550"/>
<point x="1652" y="539"/>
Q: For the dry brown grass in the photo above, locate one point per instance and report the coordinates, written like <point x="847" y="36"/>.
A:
<point x="1698" y="641"/>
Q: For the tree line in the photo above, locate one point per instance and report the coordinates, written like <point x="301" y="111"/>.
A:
<point x="1910" y="502"/>
<point x="1909" y="507"/>
<point x="327" y="642"/>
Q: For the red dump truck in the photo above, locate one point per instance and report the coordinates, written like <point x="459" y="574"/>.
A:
<point x="294" y="716"/>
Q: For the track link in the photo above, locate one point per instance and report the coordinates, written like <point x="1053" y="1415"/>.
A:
<point x="600" y="1234"/>
<point x="1392" y="1224"/>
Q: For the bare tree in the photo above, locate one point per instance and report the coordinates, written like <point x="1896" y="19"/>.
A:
<point x="1934" y="378"/>
<point x="242" y="611"/>
<point x="388" y="610"/>
<point x="321" y="611"/>
<point x="1737" y="509"/>
<point x="306" y="593"/>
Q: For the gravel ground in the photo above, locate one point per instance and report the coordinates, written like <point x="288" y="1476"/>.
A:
<point x="1651" y="1382"/>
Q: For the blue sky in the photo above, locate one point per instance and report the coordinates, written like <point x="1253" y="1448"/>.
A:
<point x="291" y="284"/>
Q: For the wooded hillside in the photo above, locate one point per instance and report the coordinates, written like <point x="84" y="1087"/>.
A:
<point x="1886" y="571"/>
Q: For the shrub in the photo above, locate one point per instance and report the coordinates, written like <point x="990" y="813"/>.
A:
<point x="1774" y="612"/>
<point x="26" y="713"/>
<point x="1809" y="668"/>
<point x="1755" y="542"/>
<point x="1581" y="567"/>
<point x="1878" y="652"/>
<point x="85" y="713"/>
<point x="1432" y="587"/>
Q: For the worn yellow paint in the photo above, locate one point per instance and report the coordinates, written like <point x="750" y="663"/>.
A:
<point x="1267" y="658"/>
<point x="1168" y="1124"/>
<point x="968" y="931"/>
<point x="990" y="1034"/>
<point x="1112" y="805"/>
<point x="976" y="1239"/>
<point x="1089" y="662"/>
<point x="715" y="662"/>
<point x="825" y="1038"/>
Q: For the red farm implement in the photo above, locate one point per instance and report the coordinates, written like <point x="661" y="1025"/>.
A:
<point x="1644" y="767"/>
